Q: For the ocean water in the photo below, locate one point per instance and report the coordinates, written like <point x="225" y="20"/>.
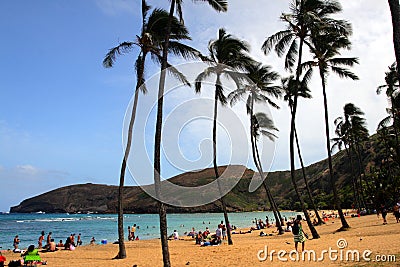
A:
<point x="104" y="226"/>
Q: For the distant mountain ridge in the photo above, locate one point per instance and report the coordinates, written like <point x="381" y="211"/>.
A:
<point x="99" y="198"/>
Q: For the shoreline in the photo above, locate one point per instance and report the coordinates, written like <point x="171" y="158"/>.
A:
<point x="366" y="233"/>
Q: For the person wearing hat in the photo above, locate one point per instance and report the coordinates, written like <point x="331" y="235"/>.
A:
<point x="298" y="234"/>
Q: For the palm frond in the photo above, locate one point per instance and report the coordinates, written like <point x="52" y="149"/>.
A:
<point x="201" y="77"/>
<point x="122" y="48"/>
<point x="178" y="75"/>
<point x="291" y="55"/>
<point x="185" y="51"/>
<point x="271" y="41"/>
<point x="218" y="5"/>
<point x="344" y="61"/>
<point x="344" y="73"/>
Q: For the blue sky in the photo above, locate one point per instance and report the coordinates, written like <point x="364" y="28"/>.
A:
<point x="62" y="113"/>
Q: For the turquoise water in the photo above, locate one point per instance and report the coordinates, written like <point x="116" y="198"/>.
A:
<point x="104" y="226"/>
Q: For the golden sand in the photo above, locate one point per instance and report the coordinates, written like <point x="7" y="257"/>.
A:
<point x="366" y="233"/>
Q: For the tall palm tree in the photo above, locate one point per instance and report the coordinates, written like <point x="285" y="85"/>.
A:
<point x="392" y="93"/>
<point x="351" y="131"/>
<point x="221" y="6"/>
<point x="325" y="45"/>
<point x="304" y="16"/>
<point x="227" y="54"/>
<point x="289" y="86"/>
<point x="395" y="13"/>
<point x="149" y="42"/>
<point x="260" y="89"/>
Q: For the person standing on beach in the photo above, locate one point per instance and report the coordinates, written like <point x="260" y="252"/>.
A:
<point x="16" y="242"/>
<point x="223" y="227"/>
<point x="384" y="213"/>
<point x="129" y="234"/>
<point x="40" y="241"/>
<point x="133" y="230"/>
<point x="48" y="240"/>
<point x="298" y="234"/>
<point x="79" y="241"/>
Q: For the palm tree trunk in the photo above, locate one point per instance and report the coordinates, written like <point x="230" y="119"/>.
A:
<point x="228" y="226"/>
<point x="257" y="162"/>
<point x="121" y="243"/>
<point x="157" y="143"/>
<point x="354" y="180"/>
<point x="395" y="125"/>
<point x="361" y="172"/>
<point x="319" y="220"/>
<point x="395" y="12"/>
<point x="345" y="225"/>
<point x="291" y="140"/>
<point x="274" y="207"/>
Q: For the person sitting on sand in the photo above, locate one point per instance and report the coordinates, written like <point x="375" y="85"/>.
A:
<point x="199" y="238"/>
<point x="2" y="260"/>
<point x="92" y="241"/>
<point x="60" y="245"/>
<point x="206" y="233"/>
<point x="176" y="235"/>
<point x="31" y="256"/>
<point x="52" y="246"/>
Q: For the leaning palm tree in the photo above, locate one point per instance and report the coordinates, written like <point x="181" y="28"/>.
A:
<point x="289" y="86"/>
<point x="325" y="45"/>
<point x="219" y="5"/>
<point x="227" y="54"/>
<point x="260" y="89"/>
<point x="395" y="13"/>
<point x="304" y="16"/>
<point x="149" y="42"/>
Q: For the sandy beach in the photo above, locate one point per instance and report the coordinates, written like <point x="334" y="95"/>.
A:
<point x="366" y="233"/>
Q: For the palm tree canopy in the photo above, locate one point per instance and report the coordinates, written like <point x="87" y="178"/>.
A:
<point x="227" y="55"/>
<point x="392" y="81"/>
<point x="262" y="124"/>
<point x="258" y="85"/>
<point x="304" y="16"/>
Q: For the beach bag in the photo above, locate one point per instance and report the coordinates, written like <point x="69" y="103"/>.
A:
<point x="295" y="229"/>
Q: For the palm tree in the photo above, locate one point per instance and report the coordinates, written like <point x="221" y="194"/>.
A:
<point x="289" y="86"/>
<point x="325" y="45"/>
<point x="351" y="130"/>
<point x="219" y="5"/>
<point x="227" y="54"/>
<point x="395" y="13"/>
<point x="392" y="93"/>
<point x="260" y="89"/>
<point x="149" y="42"/>
<point x="305" y="16"/>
